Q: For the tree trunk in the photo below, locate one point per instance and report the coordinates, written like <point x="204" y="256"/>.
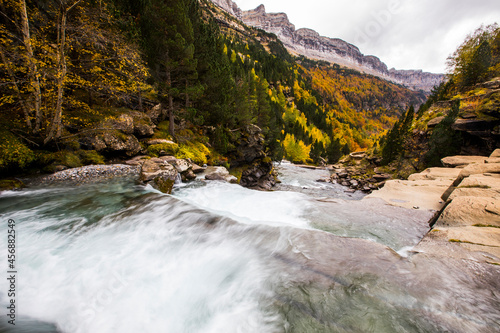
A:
<point x="187" y="95"/>
<point x="171" y="127"/>
<point x="141" y="108"/>
<point x="32" y="69"/>
<point x="171" y="124"/>
<point x="56" y="128"/>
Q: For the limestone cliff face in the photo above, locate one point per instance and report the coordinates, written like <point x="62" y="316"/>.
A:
<point x="309" y="43"/>
<point x="230" y="7"/>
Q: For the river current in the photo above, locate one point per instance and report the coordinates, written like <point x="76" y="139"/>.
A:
<point x="216" y="257"/>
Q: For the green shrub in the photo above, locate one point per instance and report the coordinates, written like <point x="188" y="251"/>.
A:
<point x="64" y="157"/>
<point x="91" y="157"/>
<point x="444" y="141"/>
<point x="162" y="131"/>
<point x="13" y="153"/>
<point x="169" y="148"/>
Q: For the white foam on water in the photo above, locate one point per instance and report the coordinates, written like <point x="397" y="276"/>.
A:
<point x="249" y="206"/>
<point x="150" y="269"/>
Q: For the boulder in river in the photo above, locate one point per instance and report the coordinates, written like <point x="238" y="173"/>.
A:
<point x="219" y="173"/>
<point x="161" y="176"/>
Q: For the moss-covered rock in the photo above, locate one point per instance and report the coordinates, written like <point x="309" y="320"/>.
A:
<point x="196" y="151"/>
<point x="10" y="184"/>
<point x="163" y="149"/>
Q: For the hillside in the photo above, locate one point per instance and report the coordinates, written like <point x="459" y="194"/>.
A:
<point x="308" y="43"/>
<point x="92" y="82"/>
<point x="461" y="116"/>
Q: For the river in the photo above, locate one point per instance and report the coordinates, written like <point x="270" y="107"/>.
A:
<point x="216" y="257"/>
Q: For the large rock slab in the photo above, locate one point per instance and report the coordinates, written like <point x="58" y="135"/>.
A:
<point x="479" y="244"/>
<point x="477" y="169"/>
<point x="421" y="194"/>
<point x="475" y="192"/>
<point x="442" y="174"/>
<point x="434" y="122"/>
<point x="483" y="185"/>
<point x="457" y="161"/>
<point x="422" y="190"/>
<point x="469" y="211"/>
<point x="496" y="153"/>
<point x="488" y="180"/>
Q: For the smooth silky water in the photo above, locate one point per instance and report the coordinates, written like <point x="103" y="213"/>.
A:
<point x="216" y="257"/>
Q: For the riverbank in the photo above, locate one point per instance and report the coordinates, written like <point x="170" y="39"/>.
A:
<point x="86" y="174"/>
<point x="466" y="199"/>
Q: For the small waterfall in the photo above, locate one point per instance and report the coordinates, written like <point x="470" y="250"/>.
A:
<point x="178" y="179"/>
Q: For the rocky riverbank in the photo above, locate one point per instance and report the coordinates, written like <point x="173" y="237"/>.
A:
<point x="86" y="174"/>
<point x="160" y="172"/>
<point x="466" y="198"/>
<point x="359" y="173"/>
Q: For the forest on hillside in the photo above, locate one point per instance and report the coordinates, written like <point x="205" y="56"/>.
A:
<point x="469" y="94"/>
<point x="68" y="66"/>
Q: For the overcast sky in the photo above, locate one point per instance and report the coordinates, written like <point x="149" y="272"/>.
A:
<point x="405" y="34"/>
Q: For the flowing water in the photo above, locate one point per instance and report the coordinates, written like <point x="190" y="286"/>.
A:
<point x="216" y="257"/>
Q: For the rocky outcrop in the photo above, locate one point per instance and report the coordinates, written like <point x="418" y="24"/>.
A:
<point x="258" y="168"/>
<point x="259" y="176"/>
<point x="119" y="136"/>
<point x="478" y="121"/>
<point x="162" y="172"/>
<point x="250" y="146"/>
<point x="309" y="43"/>
<point x="112" y="142"/>
<point x="356" y="178"/>
<point x="230" y="7"/>
<point x="467" y="226"/>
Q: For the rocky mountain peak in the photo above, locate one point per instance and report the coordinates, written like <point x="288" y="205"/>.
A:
<point x="230" y="7"/>
<point x="260" y="9"/>
<point x="311" y="44"/>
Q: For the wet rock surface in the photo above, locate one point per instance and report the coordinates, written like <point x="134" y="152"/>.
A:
<point x="250" y="154"/>
<point x="259" y="176"/>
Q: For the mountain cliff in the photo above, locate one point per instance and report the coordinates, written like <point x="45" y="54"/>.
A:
<point x="309" y="43"/>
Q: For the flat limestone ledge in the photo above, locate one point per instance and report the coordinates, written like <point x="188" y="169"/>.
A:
<point x="442" y="174"/>
<point x="483" y="185"/>
<point x="475" y="192"/>
<point x="477" y="169"/>
<point x="470" y="243"/>
<point x="457" y="161"/>
<point x="422" y="190"/>
<point x="469" y="211"/>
